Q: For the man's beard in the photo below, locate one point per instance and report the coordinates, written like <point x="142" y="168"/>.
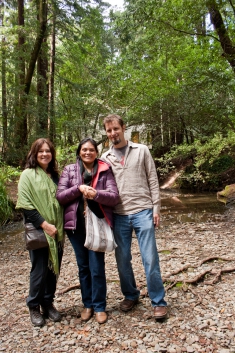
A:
<point x="116" y="141"/>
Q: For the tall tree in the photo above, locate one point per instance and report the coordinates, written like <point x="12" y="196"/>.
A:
<point x="51" y="88"/>
<point x="4" y="89"/>
<point x="20" y="128"/>
<point x="21" y="136"/>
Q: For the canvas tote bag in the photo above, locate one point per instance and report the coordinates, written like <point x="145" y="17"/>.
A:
<point x="99" y="235"/>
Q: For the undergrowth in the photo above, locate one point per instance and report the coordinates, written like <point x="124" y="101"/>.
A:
<point x="204" y="163"/>
<point x="7" y="174"/>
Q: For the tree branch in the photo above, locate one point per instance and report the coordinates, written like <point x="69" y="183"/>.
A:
<point x="232" y="6"/>
<point x="42" y="8"/>
<point x="189" y="33"/>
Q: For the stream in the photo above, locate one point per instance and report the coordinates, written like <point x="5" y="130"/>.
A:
<point x="181" y="207"/>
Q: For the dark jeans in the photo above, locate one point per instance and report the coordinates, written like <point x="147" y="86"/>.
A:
<point x="91" y="266"/>
<point x="42" y="279"/>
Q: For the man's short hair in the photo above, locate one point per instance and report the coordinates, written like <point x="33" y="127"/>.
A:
<point x="113" y="117"/>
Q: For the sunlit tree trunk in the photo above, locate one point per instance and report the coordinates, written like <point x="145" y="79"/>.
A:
<point x="20" y="126"/>
<point x="4" y="91"/>
<point x="42" y="91"/>
<point x="51" y="110"/>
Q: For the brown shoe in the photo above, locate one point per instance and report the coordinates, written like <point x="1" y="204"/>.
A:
<point x="128" y="304"/>
<point x="86" y="314"/>
<point x="101" y="317"/>
<point x="160" y="312"/>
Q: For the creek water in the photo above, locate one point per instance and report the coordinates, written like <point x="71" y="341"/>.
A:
<point x="181" y="207"/>
<point x="177" y="207"/>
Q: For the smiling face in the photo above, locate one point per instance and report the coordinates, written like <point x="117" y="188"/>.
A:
<point x="115" y="133"/>
<point x="88" y="153"/>
<point x="44" y="156"/>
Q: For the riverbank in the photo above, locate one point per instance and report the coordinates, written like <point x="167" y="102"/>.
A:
<point x="201" y="317"/>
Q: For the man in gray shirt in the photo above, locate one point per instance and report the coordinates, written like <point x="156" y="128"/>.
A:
<point x="139" y="210"/>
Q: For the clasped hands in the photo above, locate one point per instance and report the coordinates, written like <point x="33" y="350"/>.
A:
<point x="88" y="191"/>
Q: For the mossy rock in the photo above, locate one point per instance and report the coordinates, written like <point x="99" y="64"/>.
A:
<point x="228" y="194"/>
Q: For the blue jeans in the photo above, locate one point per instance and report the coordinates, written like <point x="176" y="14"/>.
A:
<point x="142" y="224"/>
<point x="91" y="270"/>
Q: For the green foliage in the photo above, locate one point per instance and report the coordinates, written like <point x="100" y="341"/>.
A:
<point x="5" y="205"/>
<point x="159" y="64"/>
<point x="203" y="163"/>
<point x="179" y="284"/>
<point x="173" y="78"/>
<point x="211" y="151"/>
<point x="65" y="156"/>
<point x="176" y="157"/>
<point x="7" y="174"/>
<point x="220" y="164"/>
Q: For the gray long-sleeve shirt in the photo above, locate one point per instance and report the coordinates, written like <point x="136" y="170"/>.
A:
<point x="137" y="180"/>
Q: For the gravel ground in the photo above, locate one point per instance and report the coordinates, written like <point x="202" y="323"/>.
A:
<point x="201" y="315"/>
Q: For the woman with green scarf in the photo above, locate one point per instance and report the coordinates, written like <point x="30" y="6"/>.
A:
<point x="36" y="198"/>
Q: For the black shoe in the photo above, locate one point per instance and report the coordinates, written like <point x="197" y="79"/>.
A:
<point x="36" y="317"/>
<point x="51" y="312"/>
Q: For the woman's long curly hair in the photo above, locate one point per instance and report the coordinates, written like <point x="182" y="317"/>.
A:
<point x="31" y="160"/>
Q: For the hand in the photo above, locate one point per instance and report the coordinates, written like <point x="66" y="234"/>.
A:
<point x="88" y="191"/>
<point x="50" y="229"/>
<point x="156" y="220"/>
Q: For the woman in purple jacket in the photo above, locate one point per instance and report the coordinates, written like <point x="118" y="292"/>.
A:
<point x="89" y="178"/>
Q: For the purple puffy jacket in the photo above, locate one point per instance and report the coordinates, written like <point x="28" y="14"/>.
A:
<point x="68" y="192"/>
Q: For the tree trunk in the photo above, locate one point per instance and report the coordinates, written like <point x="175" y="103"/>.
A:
<point x="4" y="90"/>
<point x="4" y="100"/>
<point x="225" y="41"/>
<point x="20" y="139"/>
<point x="20" y="126"/>
<point x="51" y="113"/>
<point x="42" y="15"/>
<point x="42" y="91"/>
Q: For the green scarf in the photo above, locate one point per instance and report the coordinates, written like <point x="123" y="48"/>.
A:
<point x="37" y="191"/>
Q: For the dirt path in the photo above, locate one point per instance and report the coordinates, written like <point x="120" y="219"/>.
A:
<point x="201" y="317"/>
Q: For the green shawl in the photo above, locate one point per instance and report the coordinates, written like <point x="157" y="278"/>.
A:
<point x="37" y="191"/>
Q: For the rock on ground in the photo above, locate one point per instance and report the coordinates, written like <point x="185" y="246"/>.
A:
<point x="201" y="316"/>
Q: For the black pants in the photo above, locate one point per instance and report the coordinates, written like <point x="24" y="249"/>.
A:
<point x="42" y="280"/>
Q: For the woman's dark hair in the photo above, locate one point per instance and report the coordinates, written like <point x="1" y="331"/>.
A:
<point x="31" y="160"/>
<point x="87" y="139"/>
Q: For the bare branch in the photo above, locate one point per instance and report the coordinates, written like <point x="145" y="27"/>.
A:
<point x="189" y="33"/>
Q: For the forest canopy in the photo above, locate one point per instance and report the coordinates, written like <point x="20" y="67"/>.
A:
<point x="165" y="66"/>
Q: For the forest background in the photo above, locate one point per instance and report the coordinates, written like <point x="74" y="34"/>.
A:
<point x="167" y="67"/>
